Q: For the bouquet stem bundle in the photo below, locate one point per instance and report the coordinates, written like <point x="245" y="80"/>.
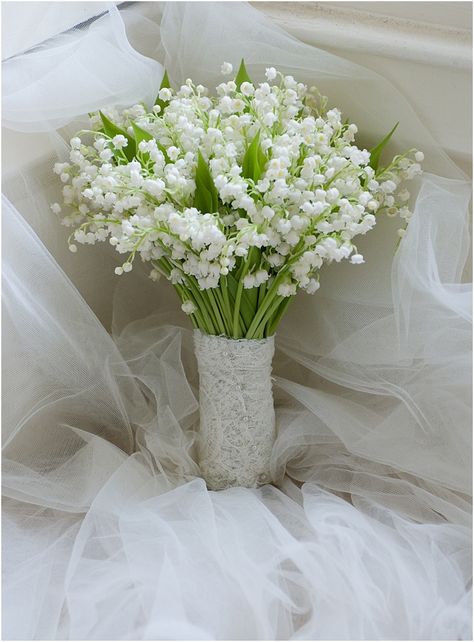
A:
<point x="229" y="309"/>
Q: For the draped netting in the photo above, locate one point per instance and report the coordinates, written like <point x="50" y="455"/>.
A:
<point x="109" y="533"/>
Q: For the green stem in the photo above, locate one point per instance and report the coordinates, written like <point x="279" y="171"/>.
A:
<point x="201" y="315"/>
<point x="238" y="297"/>
<point x="266" y="303"/>
<point x="273" y="323"/>
<point x="259" y="332"/>
<point x="225" y="310"/>
<point x="217" y="312"/>
<point x="194" y="320"/>
<point x="198" y="320"/>
<point x="261" y="294"/>
<point x="225" y="294"/>
<point x="228" y="306"/>
<point x="203" y="302"/>
<point x="203" y="305"/>
<point x="236" y="331"/>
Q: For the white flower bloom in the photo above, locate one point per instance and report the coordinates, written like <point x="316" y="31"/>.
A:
<point x="388" y="187"/>
<point x="188" y="307"/>
<point x="275" y="260"/>
<point x="287" y="289"/>
<point x="173" y="152"/>
<point x="325" y="227"/>
<point x="261" y="276"/>
<point x="155" y="275"/>
<point x="100" y="144"/>
<point x="119" y="141"/>
<point x="267" y="213"/>
<point x="357" y="259"/>
<point x="106" y="154"/>
<point x="60" y="167"/>
<point x="269" y="119"/>
<point x="249" y="281"/>
<point x="290" y="82"/>
<point x="283" y="225"/>
<point x="312" y="286"/>
<point x="332" y="195"/>
<point x="270" y="73"/>
<point x="247" y="89"/>
<point x="226" y="105"/>
<point x="165" y="94"/>
<point x="413" y="170"/>
<point x="226" y="68"/>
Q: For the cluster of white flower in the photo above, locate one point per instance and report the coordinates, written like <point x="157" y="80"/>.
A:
<point x="259" y="182"/>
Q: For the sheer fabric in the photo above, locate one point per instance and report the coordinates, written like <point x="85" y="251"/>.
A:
<point x="109" y="533"/>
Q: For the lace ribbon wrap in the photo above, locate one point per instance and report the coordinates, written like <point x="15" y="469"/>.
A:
<point x="237" y="429"/>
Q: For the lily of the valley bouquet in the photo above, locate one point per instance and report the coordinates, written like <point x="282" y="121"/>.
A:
<point x="237" y="199"/>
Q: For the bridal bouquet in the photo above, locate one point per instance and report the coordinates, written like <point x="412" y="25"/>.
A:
<point x="237" y="199"/>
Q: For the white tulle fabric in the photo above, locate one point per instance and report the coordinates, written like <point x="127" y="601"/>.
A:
<point x="236" y="414"/>
<point x="109" y="532"/>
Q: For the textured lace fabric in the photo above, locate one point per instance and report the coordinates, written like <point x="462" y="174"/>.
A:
<point x="237" y="429"/>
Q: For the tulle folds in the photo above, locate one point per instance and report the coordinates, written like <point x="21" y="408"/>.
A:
<point x="109" y="529"/>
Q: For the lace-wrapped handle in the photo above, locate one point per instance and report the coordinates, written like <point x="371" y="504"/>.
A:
<point x="237" y="429"/>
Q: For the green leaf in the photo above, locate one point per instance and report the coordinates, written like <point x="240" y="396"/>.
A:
<point x="242" y="75"/>
<point x="206" y="196"/>
<point x="165" y="84"/>
<point x="254" y="161"/>
<point x="376" y="151"/>
<point x="232" y="284"/>
<point x="142" y="134"/>
<point x="111" y="129"/>
<point x="203" y="200"/>
<point x="249" y="305"/>
<point x="248" y="301"/>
